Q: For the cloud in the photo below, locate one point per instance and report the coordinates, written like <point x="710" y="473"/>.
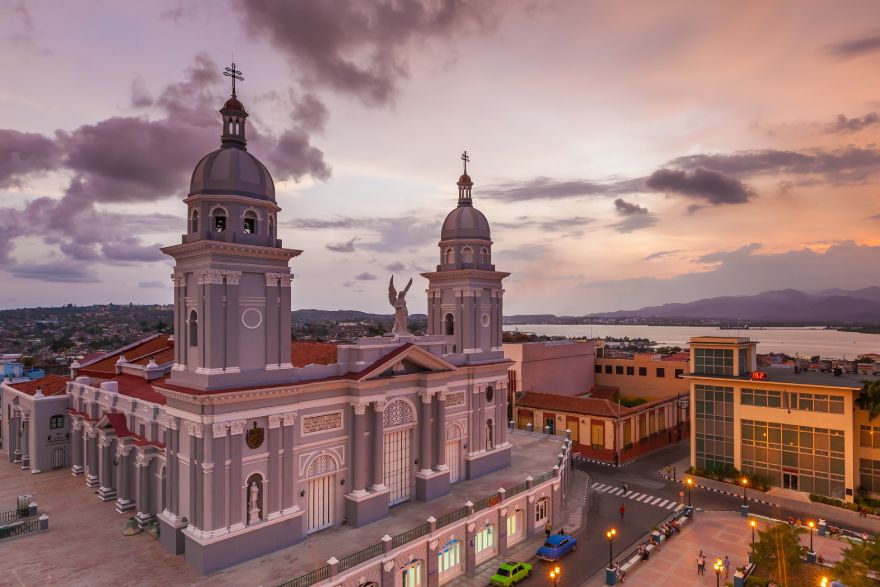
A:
<point x="54" y="271"/>
<point x="633" y="223"/>
<point x="660" y="254"/>
<point x="844" y="124"/>
<point x="545" y="188"/>
<point x="358" y="48"/>
<point x="855" y="47"/>
<point x="23" y="154"/>
<point x="152" y="284"/>
<point x="625" y="208"/>
<point x="293" y="157"/>
<point x="383" y="234"/>
<point x="130" y="249"/>
<point x="395" y="267"/>
<point x="310" y="113"/>
<point x="346" y="247"/>
<point x="710" y="186"/>
<point x="365" y="276"/>
<point x="568" y="223"/>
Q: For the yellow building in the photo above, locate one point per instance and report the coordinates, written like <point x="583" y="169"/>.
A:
<point x="645" y="375"/>
<point x="802" y="430"/>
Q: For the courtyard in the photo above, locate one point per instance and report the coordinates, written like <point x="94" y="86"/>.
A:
<point x="85" y="546"/>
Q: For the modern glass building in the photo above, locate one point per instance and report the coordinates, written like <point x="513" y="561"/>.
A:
<point x="802" y="430"/>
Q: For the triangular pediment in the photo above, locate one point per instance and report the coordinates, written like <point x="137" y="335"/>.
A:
<point x="406" y="361"/>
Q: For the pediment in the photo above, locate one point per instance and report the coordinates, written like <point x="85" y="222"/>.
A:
<point x="406" y="361"/>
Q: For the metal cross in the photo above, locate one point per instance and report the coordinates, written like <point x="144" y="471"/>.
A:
<point x="465" y="158"/>
<point x="235" y="74"/>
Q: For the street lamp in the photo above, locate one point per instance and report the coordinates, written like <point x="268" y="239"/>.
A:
<point x="719" y="564"/>
<point x="812" y="525"/>
<point x="690" y="484"/>
<point x="753" y="524"/>
<point x="745" y="484"/>
<point x="554" y="575"/>
<point x="610" y="534"/>
<point x="823" y="582"/>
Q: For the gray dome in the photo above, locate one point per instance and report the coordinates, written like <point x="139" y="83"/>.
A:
<point x="465" y="222"/>
<point x="232" y="171"/>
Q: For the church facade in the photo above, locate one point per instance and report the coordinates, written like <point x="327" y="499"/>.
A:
<point x="239" y="442"/>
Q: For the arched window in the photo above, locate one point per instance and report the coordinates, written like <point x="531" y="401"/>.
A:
<point x="484" y="255"/>
<point x="467" y="255"/>
<point x="250" y="222"/>
<point x="272" y="229"/>
<point x="195" y="222"/>
<point x="490" y="434"/>
<point x="193" y="328"/>
<point x="56" y="422"/>
<point x="449" y="324"/>
<point x="450" y="257"/>
<point x="219" y="215"/>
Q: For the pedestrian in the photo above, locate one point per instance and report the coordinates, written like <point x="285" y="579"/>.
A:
<point x="669" y="471"/>
<point x="622" y="510"/>
<point x="625" y="488"/>
<point x="673" y="472"/>
<point x="701" y="564"/>
<point x="548" y="528"/>
<point x="726" y="567"/>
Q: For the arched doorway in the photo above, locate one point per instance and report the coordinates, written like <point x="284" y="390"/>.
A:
<point x="321" y="493"/>
<point x="399" y="419"/>
<point x="453" y="452"/>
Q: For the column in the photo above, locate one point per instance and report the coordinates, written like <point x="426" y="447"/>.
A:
<point x="271" y="323"/>
<point x="172" y="467"/>
<point x="93" y="463"/>
<point x="288" y="476"/>
<point x="195" y="432"/>
<point x="378" y="448"/>
<point x="440" y="433"/>
<point x="106" y="492"/>
<point x="123" y="500"/>
<point x="477" y="443"/>
<point x="284" y="317"/>
<point x="425" y="429"/>
<point x="272" y="498"/>
<point x="500" y="428"/>
<point x="15" y="437"/>
<point x="25" y="442"/>
<point x="236" y="505"/>
<point x="232" y="310"/>
<point x="76" y="447"/>
<point x="361" y="461"/>
<point x="142" y="476"/>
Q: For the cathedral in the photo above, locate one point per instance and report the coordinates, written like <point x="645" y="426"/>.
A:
<point x="239" y="442"/>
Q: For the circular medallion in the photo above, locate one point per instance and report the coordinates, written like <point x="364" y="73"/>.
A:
<point x="484" y="320"/>
<point x="251" y="318"/>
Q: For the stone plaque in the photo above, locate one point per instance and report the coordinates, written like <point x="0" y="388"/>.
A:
<point x="454" y="399"/>
<point x="322" y="422"/>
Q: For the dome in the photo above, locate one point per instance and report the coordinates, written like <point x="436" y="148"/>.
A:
<point x="233" y="104"/>
<point x="232" y="172"/>
<point x="465" y="178"/>
<point x="465" y="222"/>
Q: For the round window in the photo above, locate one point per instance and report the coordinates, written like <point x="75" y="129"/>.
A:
<point x="484" y="320"/>
<point x="251" y="318"/>
<point x="490" y="393"/>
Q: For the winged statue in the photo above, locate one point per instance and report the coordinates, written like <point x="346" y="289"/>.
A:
<point x="401" y="314"/>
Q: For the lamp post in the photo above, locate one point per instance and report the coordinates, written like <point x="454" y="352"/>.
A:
<point x="554" y="575"/>
<point x="823" y="582"/>
<point x="754" y="525"/>
<point x="719" y="564"/>
<point x="811" y="556"/>
<point x="690" y="484"/>
<point x="744" y="509"/>
<point x="610" y="574"/>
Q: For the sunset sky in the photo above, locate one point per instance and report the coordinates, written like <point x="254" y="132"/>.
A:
<point x="625" y="153"/>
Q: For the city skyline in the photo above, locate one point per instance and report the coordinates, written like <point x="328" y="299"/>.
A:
<point x="619" y="164"/>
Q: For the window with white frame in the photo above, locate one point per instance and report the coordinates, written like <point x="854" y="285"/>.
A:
<point x="541" y="510"/>
<point x="484" y="539"/>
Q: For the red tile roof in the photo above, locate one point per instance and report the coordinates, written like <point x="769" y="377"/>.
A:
<point x="312" y="353"/>
<point x="49" y="385"/>
<point x="140" y="388"/>
<point x="582" y="405"/>
<point x="159" y="347"/>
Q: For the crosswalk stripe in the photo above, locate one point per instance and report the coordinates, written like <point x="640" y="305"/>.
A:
<point x="656" y="500"/>
<point x="679" y="507"/>
<point x="628" y="494"/>
<point x="671" y="503"/>
<point x="662" y="505"/>
<point x="617" y="491"/>
<point x="599" y="486"/>
<point x="645" y="498"/>
<point x="633" y="495"/>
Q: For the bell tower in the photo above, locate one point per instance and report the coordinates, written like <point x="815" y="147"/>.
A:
<point x="465" y="292"/>
<point x="231" y="277"/>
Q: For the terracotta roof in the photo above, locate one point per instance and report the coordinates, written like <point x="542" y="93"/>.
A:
<point x="604" y="392"/>
<point x="118" y="423"/>
<point x="312" y="353"/>
<point x="582" y="405"/>
<point x="685" y="357"/>
<point x="139" y="353"/>
<point x="49" y="385"/>
<point x="140" y="388"/>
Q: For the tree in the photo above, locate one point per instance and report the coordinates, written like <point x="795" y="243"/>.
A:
<point x="857" y="560"/>
<point x="869" y="398"/>
<point x="779" y="550"/>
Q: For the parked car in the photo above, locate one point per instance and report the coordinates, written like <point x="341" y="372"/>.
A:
<point x="510" y="573"/>
<point x="557" y="546"/>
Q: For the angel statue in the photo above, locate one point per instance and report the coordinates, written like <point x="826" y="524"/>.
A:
<point x="401" y="314"/>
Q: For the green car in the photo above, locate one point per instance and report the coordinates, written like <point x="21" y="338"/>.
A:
<point x="510" y="573"/>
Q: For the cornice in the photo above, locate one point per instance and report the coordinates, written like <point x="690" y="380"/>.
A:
<point x="464" y="273"/>
<point x="206" y="247"/>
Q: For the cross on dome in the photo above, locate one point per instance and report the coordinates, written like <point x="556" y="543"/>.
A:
<point x="466" y="159"/>
<point x="235" y="74"/>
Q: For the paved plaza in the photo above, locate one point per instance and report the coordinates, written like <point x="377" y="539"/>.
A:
<point x="717" y="534"/>
<point x="85" y="546"/>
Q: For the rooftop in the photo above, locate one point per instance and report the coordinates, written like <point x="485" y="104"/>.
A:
<point x="48" y="385"/>
<point x="789" y="377"/>
<point x="588" y="406"/>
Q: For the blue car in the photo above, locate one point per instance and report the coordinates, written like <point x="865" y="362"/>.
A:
<point x="557" y="546"/>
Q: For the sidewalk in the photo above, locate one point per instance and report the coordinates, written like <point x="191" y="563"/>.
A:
<point x="777" y="498"/>
<point x="717" y="534"/>
<point x="572" y="520"/>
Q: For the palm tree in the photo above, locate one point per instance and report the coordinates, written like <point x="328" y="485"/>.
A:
<point x="869" y="398"/>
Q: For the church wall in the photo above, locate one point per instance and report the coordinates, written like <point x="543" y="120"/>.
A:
<point x="252" y="342"/>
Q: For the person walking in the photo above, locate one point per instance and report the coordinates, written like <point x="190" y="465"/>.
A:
<point x="622" y="510"/>
<point x="701" y="564"/>
<point x="625" y="488"/>
<point x="548" y="528"/>
<point x="726" y="567"/>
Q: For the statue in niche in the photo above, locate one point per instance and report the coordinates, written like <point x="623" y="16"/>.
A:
<point x="401" y="314"/>
<point x="253" y="503"/>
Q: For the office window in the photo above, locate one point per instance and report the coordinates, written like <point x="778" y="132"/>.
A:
<point x="761" y="397"/>
<point x="607" y="369"/>
<point x="618" y="369"/>
<point x="679" y="373"/>
<point x="713" y="361"/>
<point x="744" y="366"/>
<point x="869" y="475"/>
<point x="643" y="371"/>
<point x="661" y="372"/>
<point x="869" y="436"/>
<point x="627" y="433"/>
<point x="598" y="368"/>
<point x="56" y="422"/>
<point x="714" y="426"/>
<point x="630" y="370"/>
